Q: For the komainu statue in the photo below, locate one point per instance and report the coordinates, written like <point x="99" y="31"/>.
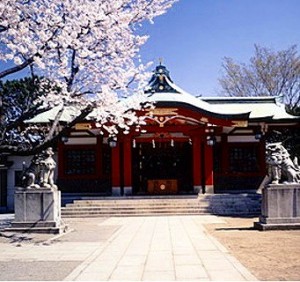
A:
<point x="40" y="173"/>
<point x="281" y="168"/>
<point x="30" y="173"/>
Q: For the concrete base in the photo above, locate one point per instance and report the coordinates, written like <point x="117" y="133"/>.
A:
<point x="198" y="189"/>
<point x="266" y="227"/>
<point x="209" y="189"/>
<point x="37" y="210"/>
<point x="127" y="191"/>
<point x="116" y="191"/>
<point x="280" y="207"/>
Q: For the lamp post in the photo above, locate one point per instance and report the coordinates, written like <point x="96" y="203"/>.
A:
<point x="210" y="140"/>
<point x="112" y="142"/>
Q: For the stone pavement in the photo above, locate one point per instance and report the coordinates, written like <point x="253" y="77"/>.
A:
<point x="125" y="249"/>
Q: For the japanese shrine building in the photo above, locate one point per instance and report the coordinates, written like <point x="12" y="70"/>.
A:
<point x="189" y="145"/>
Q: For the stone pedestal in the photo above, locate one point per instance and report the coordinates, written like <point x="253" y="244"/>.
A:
<point x="37" y="210"/>
<point x="116" y="191"/>
<point x="209" y="189"/>
<point x="127" y="191"/>
<point x="280" y="207"/>
<point x="197" y="189"/>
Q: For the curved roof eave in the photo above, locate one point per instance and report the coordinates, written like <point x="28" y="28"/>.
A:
<point x="68" y="115"/>
<point x="259" y="107"/>
<point x="163" y="90"/>
<point x="244" y="116"/>
<point x="271" y="119"/>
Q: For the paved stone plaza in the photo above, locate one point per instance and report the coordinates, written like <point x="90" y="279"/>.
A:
<point x="121" y="248"/>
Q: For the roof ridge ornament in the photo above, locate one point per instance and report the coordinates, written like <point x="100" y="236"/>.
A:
<point x="161" y="80"/>
<point x="160" y="59"/>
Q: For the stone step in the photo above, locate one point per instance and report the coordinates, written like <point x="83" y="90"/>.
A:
<point x="145" y="199"/>
<point x="127" y="215"/>
<point x="225" y="204"/>
<point x="35" y="229"/>
<point x="141" y="210"/>
<point x="95" y="204"/>
<point x="121" y="205"/>
<point x="144" y="209"/>
<point x="133" y="213"/>
<point x="145" y="202"/>
<point x="206" y="205"/>
<point x="160" y="205"/>
<point x="213" y="209"/>
<point x="122" y="200"/>
<point x="156" y="213"/>
<point x="135" y="207"/>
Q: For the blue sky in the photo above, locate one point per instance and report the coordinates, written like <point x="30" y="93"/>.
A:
<point x="195" y="35"/>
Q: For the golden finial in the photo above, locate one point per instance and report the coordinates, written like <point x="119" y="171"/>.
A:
<point x="160" y="61"/>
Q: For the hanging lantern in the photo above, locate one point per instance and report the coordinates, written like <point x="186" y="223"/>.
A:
<point x="112" y="142"/>
<point x="172" y="142"/>
<point x="153" y="143"/>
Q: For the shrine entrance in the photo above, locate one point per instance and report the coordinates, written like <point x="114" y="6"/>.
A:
<point x="162" y="168"/>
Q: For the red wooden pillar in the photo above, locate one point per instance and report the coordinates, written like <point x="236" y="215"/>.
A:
<point x="127" y="166"/>
<point x="115" y="170"/>
<point x="209" y="177"/>
<point x="197" y="164"/>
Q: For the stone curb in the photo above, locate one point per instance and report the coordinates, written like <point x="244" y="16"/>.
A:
<point x="238" y="265"/>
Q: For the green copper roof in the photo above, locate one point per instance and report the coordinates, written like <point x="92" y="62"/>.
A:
<point x="160" y="81"/>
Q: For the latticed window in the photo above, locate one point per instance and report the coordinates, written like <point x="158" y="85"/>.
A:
<point x="80" y="162"/>
<point x="243" y="159"/>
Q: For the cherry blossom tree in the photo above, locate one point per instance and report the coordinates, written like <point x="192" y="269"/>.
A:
<point x="89" y="49"/>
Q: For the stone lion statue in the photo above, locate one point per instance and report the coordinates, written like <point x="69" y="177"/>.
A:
<point x="48" y="165"/>
<point x="281" y="168"/>
<point x="40" y="173"/>
<point x="30" y="174"/>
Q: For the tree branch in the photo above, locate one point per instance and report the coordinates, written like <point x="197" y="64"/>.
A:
<point x="24" y="117"/>
<point x="74" y="71"/>
<point x="3" y="28"/>
<point x="16" y="68"/>
<point x="54" y="125"/>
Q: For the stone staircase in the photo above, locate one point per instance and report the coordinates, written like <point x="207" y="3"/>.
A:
<point x="243" y="204"/>
<point x="219" y="204"/>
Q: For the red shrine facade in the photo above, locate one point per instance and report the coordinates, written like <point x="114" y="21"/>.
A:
<point x="188" y="145"/>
